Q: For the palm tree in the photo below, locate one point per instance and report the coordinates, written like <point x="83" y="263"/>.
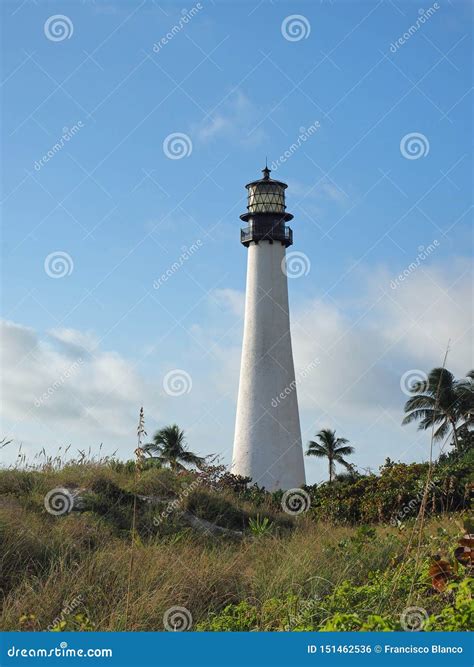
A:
<point x="443" y="402"/>
<point x="169" y="447"/>
<point x="465" y="391"/>
<point x="332" y="448"/>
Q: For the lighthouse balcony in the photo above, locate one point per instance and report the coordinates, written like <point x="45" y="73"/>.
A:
<point x="282" y="234"/>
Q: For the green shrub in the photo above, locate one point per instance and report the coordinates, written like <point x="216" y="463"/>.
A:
<point x="260" y="525"/>
<point x="345" y="622"/>
<point x="19" y="483"/>
<point x="217" y="508"/>
<point x="460" y="614"/>
<point x="240" y="617"/>
<point x="160" y="482"/>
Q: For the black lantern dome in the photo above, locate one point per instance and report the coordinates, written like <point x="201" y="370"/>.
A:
<point x="266" y="212"/>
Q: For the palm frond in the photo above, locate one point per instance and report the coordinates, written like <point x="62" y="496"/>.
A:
<point x="416" y="414"/>
<point x="420" y="401"/>
<point x="441" y="431"/>
<point x="344" y="451"/>
<point x="151" y="448"/>
<point x="316" y="449"/>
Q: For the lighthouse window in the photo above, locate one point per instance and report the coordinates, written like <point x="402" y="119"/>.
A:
<point x="266" y="198"/>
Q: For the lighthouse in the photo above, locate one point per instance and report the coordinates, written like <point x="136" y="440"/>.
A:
<point x="267" y="441"/>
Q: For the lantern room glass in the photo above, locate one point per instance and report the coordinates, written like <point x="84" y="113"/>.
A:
<point x="266" y="198"/>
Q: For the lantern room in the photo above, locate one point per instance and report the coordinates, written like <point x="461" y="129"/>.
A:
<point x="266" y="212"/>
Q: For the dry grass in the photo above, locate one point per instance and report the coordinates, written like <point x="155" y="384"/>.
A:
<point x="49" y="561"/>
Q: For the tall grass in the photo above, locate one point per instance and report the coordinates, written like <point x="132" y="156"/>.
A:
<point x="126" y="572"/>
<point x="49" y="561"/>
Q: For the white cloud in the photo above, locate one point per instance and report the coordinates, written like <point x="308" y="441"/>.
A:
<point x="355" y="384"/>
<point x="231" y="299"/>
<point x="237" y="119"/>
<point x="62" y="386"/>
<point x="319" y="191"/>
<point x="75" y="341"/>
<point x="430" y="308"/>
<point x="362" y="358"/>
<point x="362" y="349"/>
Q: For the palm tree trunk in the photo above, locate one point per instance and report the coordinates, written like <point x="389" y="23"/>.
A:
<point x="330" y="469"/>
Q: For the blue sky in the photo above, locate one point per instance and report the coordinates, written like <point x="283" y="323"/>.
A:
<point x="123" y="212"/>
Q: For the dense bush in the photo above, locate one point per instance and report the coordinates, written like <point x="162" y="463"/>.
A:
<point x="396" y="494"/>
<point x="353" y="608"/>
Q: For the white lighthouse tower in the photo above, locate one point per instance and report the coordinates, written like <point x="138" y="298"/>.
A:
<point x="267" y="443"/>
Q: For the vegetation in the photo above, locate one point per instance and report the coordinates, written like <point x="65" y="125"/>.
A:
<point x="332" y="448"/>
<point x="442" y="402"/>
<point x="71" y="571"/>
<point x="169" y="448"/>
<point x="101" y="544"/>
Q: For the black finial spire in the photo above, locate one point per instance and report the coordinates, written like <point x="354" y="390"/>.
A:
<point x="266" y="171"/>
